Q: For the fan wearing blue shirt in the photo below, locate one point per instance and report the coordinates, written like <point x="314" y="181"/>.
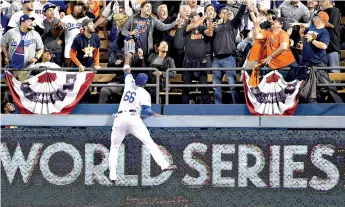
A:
<point x="315" y="42"/>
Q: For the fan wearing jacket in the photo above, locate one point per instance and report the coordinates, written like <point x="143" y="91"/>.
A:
<point x="162" y="62"/>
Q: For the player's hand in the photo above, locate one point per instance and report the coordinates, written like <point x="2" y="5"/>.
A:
<point x="156" y="115"/>
<point x="97" y="67"/>
<point x="81" y="68"/>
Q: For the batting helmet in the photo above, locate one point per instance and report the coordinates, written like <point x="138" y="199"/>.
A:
<point x="141" y="79"/>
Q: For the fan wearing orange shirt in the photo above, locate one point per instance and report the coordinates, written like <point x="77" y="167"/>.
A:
<point x="278" y="50"/>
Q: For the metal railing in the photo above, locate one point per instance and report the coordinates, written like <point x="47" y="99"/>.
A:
<point x="101" y="70"/>
<point x="168" y="85"/>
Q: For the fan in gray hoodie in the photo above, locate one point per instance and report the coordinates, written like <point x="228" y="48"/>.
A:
<point x="52" y="41"/>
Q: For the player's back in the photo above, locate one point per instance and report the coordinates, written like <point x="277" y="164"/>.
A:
<point x="133" y="96"/>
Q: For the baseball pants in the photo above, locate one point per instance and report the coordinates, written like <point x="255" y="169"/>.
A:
<point x="127" y="123"/>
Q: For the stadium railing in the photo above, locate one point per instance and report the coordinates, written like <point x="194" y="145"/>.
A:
<point x="169" y="85"/>
<point x="102" y="70"/>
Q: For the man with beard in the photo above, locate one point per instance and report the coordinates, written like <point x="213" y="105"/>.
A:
<point x="85" y="48"/>
<point x="22" y="46"/>
<point x="28" y="9"/>
<point x="71" y="25"/>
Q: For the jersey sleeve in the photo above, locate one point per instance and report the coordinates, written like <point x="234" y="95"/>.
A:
<point x="129" y="80"/>
<point x="146" y="99"/>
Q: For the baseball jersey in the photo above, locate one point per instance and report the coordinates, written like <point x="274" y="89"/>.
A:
<point x="86" y="48"/>
<point x="72" y="29"/>
<point x="32" y="43"/>
<point x="133" y="96"/>
<point x="14" y="21"/>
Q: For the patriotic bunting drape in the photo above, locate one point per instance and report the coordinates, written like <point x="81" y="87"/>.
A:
<point x="50" y="92"/>
<point x="273" y="95"/>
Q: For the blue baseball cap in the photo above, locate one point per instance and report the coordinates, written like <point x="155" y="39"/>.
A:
<point x="141" y="79"/>
<point x="25" y="17"/>
<point x="48" y="6"/>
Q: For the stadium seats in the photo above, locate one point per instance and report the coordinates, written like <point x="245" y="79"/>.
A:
<point x="338" y="77"/>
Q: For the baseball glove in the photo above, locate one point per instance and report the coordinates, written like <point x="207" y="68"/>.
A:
<point x="57" y="30"/>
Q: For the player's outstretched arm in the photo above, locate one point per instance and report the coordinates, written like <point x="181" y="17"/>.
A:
<point x="127" y="68"/>
<point x="149" y="110"/>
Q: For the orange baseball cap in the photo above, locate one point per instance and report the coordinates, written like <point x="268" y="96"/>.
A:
<point x="323" y="15"/>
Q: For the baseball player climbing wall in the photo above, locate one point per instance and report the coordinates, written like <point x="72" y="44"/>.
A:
<point x="228" y="167"/>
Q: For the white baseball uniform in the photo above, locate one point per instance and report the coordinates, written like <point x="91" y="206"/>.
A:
<point x="72" y="29"/>
<point x="128" y="121"/>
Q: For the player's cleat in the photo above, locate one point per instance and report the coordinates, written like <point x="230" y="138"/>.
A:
<point x="170" y="167"/>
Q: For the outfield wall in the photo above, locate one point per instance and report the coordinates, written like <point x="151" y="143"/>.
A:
<point x="223" y="165"/>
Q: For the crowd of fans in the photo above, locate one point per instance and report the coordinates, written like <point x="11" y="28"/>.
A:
<point x="169" y="34"/>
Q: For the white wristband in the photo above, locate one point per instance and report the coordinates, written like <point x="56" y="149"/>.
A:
<point x="126" y="66"/>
